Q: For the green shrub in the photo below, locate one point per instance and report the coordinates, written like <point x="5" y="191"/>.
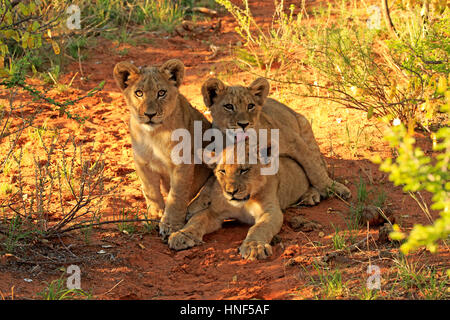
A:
<point x="415" y="171"/>
<point x="23" y="28"/>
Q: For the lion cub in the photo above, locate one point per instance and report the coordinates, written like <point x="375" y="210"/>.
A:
<point x="157" y="108"/>
<point x="242" y="192"/>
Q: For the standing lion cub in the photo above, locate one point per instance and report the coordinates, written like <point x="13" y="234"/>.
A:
<point x="156" y="109"/>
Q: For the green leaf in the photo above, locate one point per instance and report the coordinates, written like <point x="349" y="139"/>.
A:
<point x="24" y="9"/>
<point x="370" y="112"/>
<point x="442" y="85"/>
<point x="35" y="26"/>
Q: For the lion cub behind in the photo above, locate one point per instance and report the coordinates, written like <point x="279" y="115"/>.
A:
<point x="242" y="192"/>
<point x="156" y="109"/>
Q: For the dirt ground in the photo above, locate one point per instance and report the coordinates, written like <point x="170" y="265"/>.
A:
<point x="138" y="265"/>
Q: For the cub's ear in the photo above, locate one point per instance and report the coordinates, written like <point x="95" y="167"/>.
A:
<point x="260" y="89"/>
<point x="211" y="89"/>
<point x="174" y="69"/>
<point x="125" y="74"/>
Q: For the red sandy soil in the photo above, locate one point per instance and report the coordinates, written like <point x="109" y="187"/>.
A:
<point x="139" y="265"/>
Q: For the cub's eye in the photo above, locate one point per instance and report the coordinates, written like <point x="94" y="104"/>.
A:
<point x="161" y="93"/>
<point x="139" y="93"/>
<point x="244" y="171"/>
<point x="229" y="107"/>
<point x="251" y="106"/>
<point x="222" y="171"/>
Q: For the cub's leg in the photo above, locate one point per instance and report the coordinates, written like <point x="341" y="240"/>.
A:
<point x="177" y="200"/>
<point x="307" y="134"/>
<point x="150" y="182"/>
<point x="257" y="243"/>
<point x="203" y="200"/>
<point x="317" y="174"/>
<point x="165" y="186"/>
<point x="192" y="234"/>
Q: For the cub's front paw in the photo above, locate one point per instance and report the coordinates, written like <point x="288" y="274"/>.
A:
<point x="167" y="227"/>
<point x="340" y="190"/>
<point x="182" y="240"/>
<point x="252" y="250"/>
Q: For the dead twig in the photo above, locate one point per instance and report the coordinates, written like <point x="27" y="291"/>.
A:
<point x="387" y="18"/>
<point x="338" y="253"/>
<point x="205" y="11"/>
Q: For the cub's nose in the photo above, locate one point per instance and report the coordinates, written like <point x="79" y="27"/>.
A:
<point x="232" y="190"/>
<point x="150" y="115"/>
<point x="243" y="124"/>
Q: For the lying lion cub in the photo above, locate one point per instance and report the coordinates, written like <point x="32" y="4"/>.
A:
<point x="242" y="192"/>
<point x="157" y="108"/>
